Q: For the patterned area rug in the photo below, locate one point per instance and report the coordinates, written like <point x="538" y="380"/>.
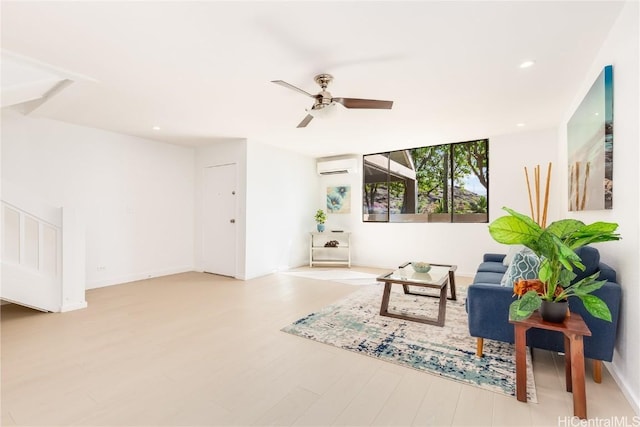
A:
<point x="354" y="323"/>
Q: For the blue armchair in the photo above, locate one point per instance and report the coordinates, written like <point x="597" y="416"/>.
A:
<point x="488" y="303"/>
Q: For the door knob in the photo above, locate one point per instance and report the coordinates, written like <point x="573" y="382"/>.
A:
<point x="232" y="221"/>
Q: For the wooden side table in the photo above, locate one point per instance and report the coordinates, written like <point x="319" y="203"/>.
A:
<point x="573" y="329"/>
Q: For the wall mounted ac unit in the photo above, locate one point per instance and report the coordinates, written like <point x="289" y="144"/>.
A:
<point x="339" y="166"/>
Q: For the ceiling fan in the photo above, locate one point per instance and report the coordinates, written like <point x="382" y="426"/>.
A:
<point x="324" y="99"/>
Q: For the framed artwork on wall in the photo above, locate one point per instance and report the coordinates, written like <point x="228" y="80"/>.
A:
<point x="590" y="147"/>
<point x="339" y="199"/>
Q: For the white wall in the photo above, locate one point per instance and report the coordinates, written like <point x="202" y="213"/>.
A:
<point x="509" y="154"/>
<point x="281" y="203"/>
<point x="134" y="195"/>
<point x="222" y="152"/>
<point x="620" y="49"/>
<point x="387" y="245"/>
<point x="276" y="203"/>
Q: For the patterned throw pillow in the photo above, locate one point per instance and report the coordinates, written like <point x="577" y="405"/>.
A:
<point x="525" y="265"/>
<point x="513" y="250"/>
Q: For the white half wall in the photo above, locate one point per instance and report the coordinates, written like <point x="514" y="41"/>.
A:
<point x="388" y="245"/>
<point x="281" y="203"/>
<point x="135" y="196"/>
<point x="620" y="49"/>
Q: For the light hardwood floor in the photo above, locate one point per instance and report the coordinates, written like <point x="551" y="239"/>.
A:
<point x="199" y="349"/>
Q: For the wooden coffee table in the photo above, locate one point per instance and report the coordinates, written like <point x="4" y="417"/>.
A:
<point x="437" y="278"/>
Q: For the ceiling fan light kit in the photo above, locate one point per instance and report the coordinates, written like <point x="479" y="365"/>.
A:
<point x="323" y="111"/>
<point x="324" y="104"/>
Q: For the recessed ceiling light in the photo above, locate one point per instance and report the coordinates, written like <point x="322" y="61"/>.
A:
<point x="520" y="125"/>
<point x="527" y="64"/>
<point x="156" y="128"/>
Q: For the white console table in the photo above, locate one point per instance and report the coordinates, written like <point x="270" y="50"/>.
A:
<point x="319" y="254"/>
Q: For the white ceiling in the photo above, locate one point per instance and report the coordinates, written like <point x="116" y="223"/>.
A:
<point x="202" y="70"/>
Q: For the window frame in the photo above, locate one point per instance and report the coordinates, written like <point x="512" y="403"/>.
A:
<point x="451" y="215"/>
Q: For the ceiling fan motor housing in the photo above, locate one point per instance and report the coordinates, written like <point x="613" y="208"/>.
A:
<point x="323" y="99"/>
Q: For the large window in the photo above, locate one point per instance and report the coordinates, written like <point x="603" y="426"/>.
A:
<point x="439" y="183"/>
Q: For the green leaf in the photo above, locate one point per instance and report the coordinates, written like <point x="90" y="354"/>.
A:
<point x="524" y="218"/>
<point x="587" y="280"/>
<point x="579" y="241"/>
<point x="544" y="274"/>
<point x="596" y="307"/>
<point x="547" y="245"/>
<point x="593" y="233"/>
<point x="512" y="231"/>
<point x="566" y="276"/>
<point x="530" y="301"/>
<point x="522" y="308"/>
<point x="515" y="313"/>
<point x="587" y="285"/>
<point x="600" y="227"/>
<point x="558" y="252"/>
<point x="564" y="227"/>
<point x="568" y="257"/>
<point x="587" y="288"/>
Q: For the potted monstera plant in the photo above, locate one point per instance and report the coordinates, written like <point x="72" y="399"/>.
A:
<point x="555" y="245"/>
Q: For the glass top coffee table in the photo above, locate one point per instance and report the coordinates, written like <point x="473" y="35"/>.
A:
<point x="439" y="277"/>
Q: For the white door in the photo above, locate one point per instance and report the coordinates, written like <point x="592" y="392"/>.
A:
<point x="219" y="220"/>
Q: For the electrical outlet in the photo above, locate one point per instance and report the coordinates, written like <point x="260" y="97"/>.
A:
<point x="101" y="268"/>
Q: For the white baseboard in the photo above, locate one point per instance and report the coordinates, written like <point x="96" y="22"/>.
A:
<point x="135" y="277"/>
<point x="241" y="277"/>
<point x="634" y="400"/>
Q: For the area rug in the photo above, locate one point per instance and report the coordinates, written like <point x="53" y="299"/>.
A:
<point x="354" y="324"/>
<point x="349" y="277"/>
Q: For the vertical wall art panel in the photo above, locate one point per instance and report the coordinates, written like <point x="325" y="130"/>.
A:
<point x="590" y="145"/>
<point x="339" y="199"/>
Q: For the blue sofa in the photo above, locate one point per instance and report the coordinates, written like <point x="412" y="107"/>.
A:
<point x="488" y="303"/>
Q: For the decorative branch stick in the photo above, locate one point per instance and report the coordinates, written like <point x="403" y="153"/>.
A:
<point x="571" y="189"/>
<point x="526" y="174"/>
<point x="537" y="214"/>
<point x="537" y="178"/>
<point x="577" y="186"/>
<point x="546" y="197"/>
<point x="584" y="187"/>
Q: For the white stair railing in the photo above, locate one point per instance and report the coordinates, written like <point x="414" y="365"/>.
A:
<point x="30" y="242"/>
<point x="31" y="259"/>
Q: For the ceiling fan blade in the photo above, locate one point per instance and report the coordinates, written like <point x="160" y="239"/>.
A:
<point x="305" y="121"/>
<point x="290" y="86"/>
<point x="364" y="103"/>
